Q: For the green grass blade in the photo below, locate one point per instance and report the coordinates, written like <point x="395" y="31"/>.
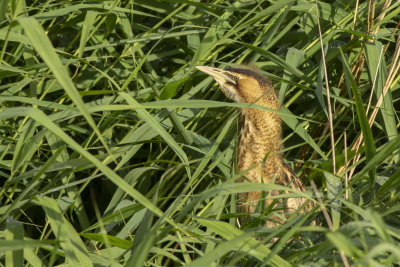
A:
<point x="86" y="27"/>
<point x="45" y="49"/>
<point x="320" y="85"/>
<point x="362" y="116"/>
<point x="159" y="129"/>
<point x="378" y="75"/>
<point x="248" y="243"/>
<point x="11" y="245"/>
<point x="290" y="120"/>
<point x="285" y="65"/>
<point x="293" y="58"/>
<point x="41" y="118"/>
<point x="342" y="243"/>
<point x="213" y="149"/>
<point x="75" y="251"/>
<point x="14" y="231"/>
<point x="218" y="252"/>
<point x="379" y="225"/>
<point x="33" y="259"/>
<point x="334" y="187"/>
<point x="384" y="152"/>
<point x="174" y="136"/>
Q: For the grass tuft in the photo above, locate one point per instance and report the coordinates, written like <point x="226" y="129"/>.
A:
<point x="115" y="150"/>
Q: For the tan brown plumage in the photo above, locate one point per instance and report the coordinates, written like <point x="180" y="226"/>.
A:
<point x="260" y="137"/>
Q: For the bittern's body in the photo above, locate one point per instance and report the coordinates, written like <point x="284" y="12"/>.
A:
<point x="260" y="142"/>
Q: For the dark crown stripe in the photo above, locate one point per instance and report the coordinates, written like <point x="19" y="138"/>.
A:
<point x="261" y="79"/>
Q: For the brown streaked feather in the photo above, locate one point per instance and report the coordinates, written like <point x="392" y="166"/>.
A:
<point x="260" y="139"/>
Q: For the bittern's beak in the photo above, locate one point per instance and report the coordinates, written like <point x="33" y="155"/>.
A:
<point x="227" y="80"/>
<point x="221" y="76"/>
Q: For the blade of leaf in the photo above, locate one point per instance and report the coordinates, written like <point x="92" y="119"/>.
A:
<point x="212" y="150"/>
<point x="293" y="58"/>
<point x="333" y="186"/>
<point x="320" y="84"/>
<point x="290" y="120"/>
<point x="145" y="116"/>
<point x="378" y="74"/>
<point x="14" y="231"/>
<point x="43" y="119"/>
<point x="41" y="43"/>
<point x="86" y="26"/>
<point x="75" y="251"/>
<point x="361" y="114"/>
<point x="217" y="253"/>
<point x="248" y="244"/>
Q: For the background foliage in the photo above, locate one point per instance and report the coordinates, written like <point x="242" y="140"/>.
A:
<point x="116" y="151"/>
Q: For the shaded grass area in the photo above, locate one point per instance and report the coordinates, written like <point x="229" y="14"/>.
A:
<point x="116" y="151"/>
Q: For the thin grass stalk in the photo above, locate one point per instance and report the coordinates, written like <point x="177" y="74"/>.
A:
<point x="357" y="144"/>
<point x="382" y="15"/>
<point x="327" y="218"/>
<point x="392" y="35"/>
<point x="370" y="14"/>
<point x="392" y="72"/>
<point x="346" y="177"/>
<point x="360" y="137"/>
<point x="328" y="97"/>
<point x="391" y="75"/>
<point x="354" y="20"/>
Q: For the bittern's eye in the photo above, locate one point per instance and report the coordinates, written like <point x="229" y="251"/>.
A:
<point x="232" y="77"/>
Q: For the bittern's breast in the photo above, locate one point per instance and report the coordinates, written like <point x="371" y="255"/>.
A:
<point x="260" y="145"/>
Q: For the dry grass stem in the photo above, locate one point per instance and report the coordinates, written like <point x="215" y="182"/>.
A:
<point x="328" y="97"/>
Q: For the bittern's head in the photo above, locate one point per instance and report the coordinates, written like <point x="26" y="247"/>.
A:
<point x="243" y="85"/>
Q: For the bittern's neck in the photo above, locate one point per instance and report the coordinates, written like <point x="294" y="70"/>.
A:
<point x="262" y="129"/>
<point x="260" y="139"/>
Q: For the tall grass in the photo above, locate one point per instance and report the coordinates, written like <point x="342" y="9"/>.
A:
<point x="116" y="151"/>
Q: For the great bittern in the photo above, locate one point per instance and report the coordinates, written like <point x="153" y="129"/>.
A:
<point x="260" y="137"/>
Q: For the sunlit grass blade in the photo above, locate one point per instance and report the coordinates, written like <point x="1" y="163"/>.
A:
<point x="213" y="149"/>
<point x="248" y="244"/>
<point x="41" y="118"/>
<point x="145" y="115"/>
<point x="362" y="116"/>
<point x="341" y="242"/>
<point x="384" y="152"/>
<point x="86" y="27"/>
<point x="334" y="187"/>
<point x="293" y="58"/>
<point x="11" y="245"/>
<point x="14" y="231"/>
<point x="45" y="49"/>
<point x="289" y="119"/>
<point x="320" y="85"/>
<point x="220" y="250"/>
<point x="80" y="79"/>
<point x="378" y="75"/>
<point x="75" y="250"/>
<point x="26" y="145"/>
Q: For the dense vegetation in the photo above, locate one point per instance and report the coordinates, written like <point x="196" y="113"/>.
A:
<point x="115" y="150"/>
